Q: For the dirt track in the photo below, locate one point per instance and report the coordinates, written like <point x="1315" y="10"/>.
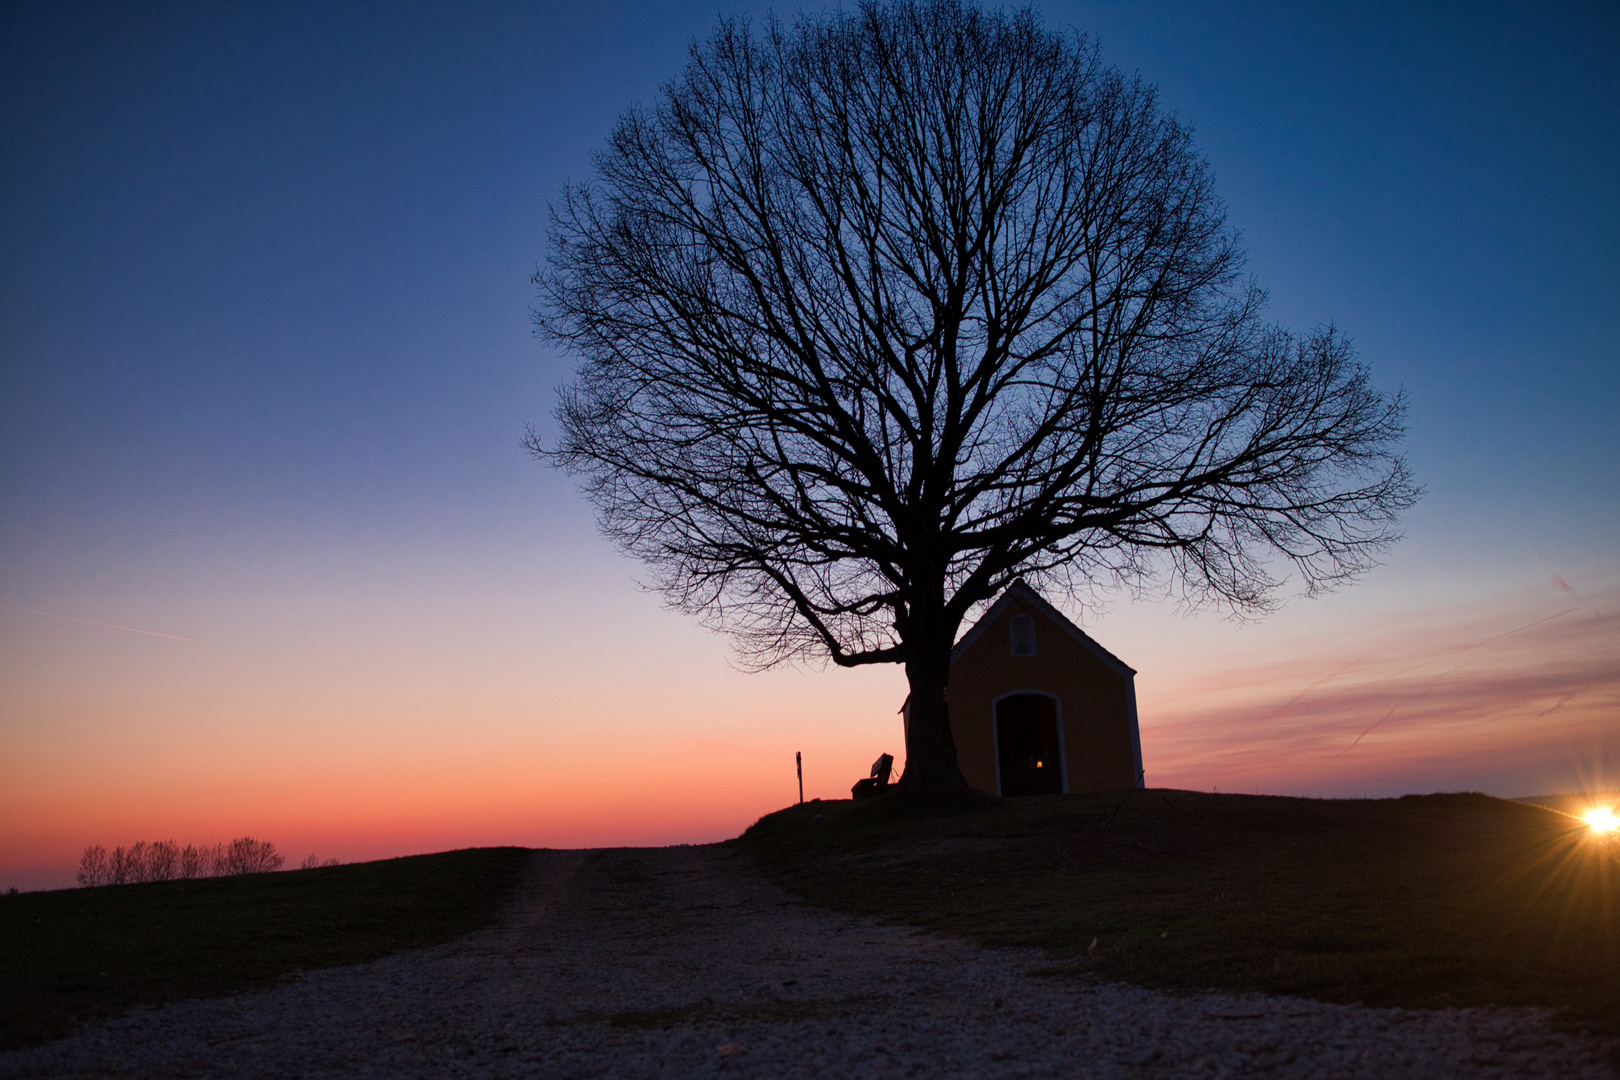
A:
<point x="678" y="962"/>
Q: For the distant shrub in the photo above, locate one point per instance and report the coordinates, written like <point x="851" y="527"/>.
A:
<point x="313" y="862"/>
<point x="93" y="867"/>
<point x="197" y="862"/>
<point x="164" y="860"/>
<point x="124" y="866"/>
<point x="246" y="855"/>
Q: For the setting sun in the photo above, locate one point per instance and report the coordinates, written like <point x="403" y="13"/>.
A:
<point x="1601" y="821"/>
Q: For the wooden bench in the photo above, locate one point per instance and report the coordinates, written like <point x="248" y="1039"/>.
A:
<point x="872" y="786"/>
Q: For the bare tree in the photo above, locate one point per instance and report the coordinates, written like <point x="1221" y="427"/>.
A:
<point x="881" y="310"/>
<point x="93" y="869"/>
<point x="127" y="865"/>
<point x="195" y="862"/>
<point x="245" y="855"/>
<point x="162" y="861"/>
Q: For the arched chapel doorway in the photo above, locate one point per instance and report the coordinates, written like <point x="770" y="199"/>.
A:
<point x="1028" y="750"/>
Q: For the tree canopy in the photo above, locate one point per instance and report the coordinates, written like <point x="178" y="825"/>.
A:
<point x="880" y="310"/>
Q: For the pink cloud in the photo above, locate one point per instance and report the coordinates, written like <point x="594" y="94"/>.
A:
<point x="1521" y="691"/>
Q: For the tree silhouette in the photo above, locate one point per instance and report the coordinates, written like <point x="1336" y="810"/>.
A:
<point x="881" y="310"/>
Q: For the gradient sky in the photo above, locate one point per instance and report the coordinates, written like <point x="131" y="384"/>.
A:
<point x="273" y="561"/>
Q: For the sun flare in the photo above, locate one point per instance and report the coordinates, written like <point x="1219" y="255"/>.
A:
<point x="1601" y="820"/>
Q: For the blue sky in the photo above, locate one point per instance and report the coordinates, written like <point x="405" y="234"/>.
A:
<point x="266" y="353"/>
<point x="269" y="265"/>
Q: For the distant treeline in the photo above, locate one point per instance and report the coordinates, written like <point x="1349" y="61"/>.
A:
<point x="164" y="860"/>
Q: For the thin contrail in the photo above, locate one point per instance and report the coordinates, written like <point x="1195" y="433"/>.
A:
<point x="97" y="622"/>
<point x="1299" y="697"/>
<point x="1368" y="732"/>
<point x="1428" y="689"/>
<point x="1515" y="630"/>
<point x="1425" y="692"/>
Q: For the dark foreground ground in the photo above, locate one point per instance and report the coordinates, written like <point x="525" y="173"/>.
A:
<point x="82" y="954"/>
<point x="1421" y="902"/>
<point x="687" y="962"/>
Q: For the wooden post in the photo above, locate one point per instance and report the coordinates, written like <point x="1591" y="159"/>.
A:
<point x="798" y="763"/>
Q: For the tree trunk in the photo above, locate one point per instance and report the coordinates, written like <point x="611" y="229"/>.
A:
<point x="930" y="749"/>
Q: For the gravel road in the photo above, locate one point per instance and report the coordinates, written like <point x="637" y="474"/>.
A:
<point x="685" y="962"/>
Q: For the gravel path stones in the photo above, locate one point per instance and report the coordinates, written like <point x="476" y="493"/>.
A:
<point x="685" y="962"/>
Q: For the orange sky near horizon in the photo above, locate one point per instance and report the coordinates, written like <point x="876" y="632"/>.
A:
<point x="365" y="743"/>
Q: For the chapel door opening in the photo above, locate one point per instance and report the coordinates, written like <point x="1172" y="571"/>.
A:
<point x="1027" y="745"/>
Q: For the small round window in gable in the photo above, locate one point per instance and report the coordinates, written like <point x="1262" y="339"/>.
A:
<point x="1023" y="635"/>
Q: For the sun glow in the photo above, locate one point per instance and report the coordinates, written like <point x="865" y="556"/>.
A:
<point x="1601" y="820"/>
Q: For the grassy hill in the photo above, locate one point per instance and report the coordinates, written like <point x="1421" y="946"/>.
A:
<point x="82" y="954"/>
<point x="1423" y="901"/>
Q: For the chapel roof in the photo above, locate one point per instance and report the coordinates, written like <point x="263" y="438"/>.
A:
<point x="1021" y="590"/>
